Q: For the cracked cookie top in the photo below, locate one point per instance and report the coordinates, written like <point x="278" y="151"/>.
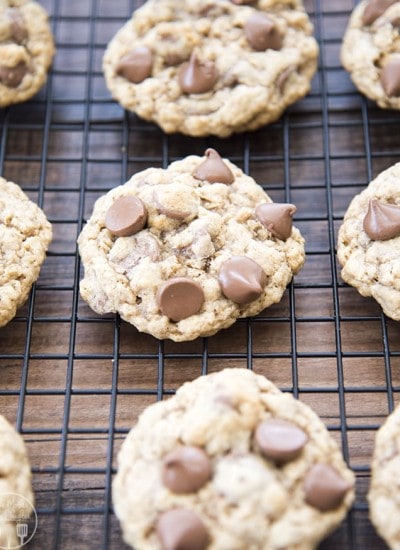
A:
<point x="184" y="251"/>
<point x="202" y="67"/>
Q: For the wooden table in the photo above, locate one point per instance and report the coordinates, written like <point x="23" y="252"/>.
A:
<point x="75" y="383"/>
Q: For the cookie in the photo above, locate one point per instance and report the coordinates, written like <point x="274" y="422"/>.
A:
<point x="369" y="242"/>
<point x="26" y="50"/>
<point x="183" y="252"/>
<point x="25" y="235"/>
<point x="202" y="67"/>
<point x="383" y="495"/>
<point x="371" y="51"/>
<point x="16" y="496"/>
<point x="230" y="462"/>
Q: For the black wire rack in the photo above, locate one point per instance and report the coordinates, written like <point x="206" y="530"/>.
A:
<point x="75" y="383"/>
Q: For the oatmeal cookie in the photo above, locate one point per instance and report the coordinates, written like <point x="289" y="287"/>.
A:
<point x="26" y="50"/>
<point x="383" y="495"/>
<point x="25" y="235"/>
<point x="371" y="51"/>
<point x="202" y="67"/>
<point x="230" y="462"/>
<point x="369" y="242"/>
<point x="183" y="252"/>
<point x="16" y="496"/>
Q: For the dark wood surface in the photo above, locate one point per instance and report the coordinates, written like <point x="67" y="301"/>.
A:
<point x="74" y="383"/>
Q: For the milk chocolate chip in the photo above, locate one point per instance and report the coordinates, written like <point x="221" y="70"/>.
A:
<point x="213" y="169"/>
<point x="136" y="65"/>
<point x="284" y="76"/>
<point x="261" y="33"/>
<point x="180" y="297"/>
<point x="19" y="32"/>
<point x="195" y="77"/>
<point x="395" y="21"/>
<point x="280" y="440"/>
<point x="181" y="529"/>
<point x="382" y="221"/>
<point x="242" y="280"/>
<point x="390" y="77"/>
<point x="374" y="9"/>
<point x="126" y="216"/>
<point x="324" y="487"/>
<point x="13" y="76"/>
<point x="277" y="218"/>
<point x="186" y="470"/>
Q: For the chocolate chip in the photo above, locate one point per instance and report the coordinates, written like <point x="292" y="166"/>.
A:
<point x="261" y="33"/>
<point x="395" y="21"/>
<point x="186" y="470"/>
<point x="126" y="216"/>
<point x="382" y="221"/>
<point x="283" y="77"/>
<point x="179" y="298"/>
<point x="19" y="31"/>
<point x="324" y="487"/>
<point x="390" y="77"/>
<point x="213" y="169"/>
<point x="181" y="529"/>
<point x="136" y="65"/>
<point x="277" y="218"/>
<point x="13" y="76"/>
<point x="374" y="9"/>
<point x="242" y="280"/>
<point x="280" y="440"/>
<point x="195" y="77"/>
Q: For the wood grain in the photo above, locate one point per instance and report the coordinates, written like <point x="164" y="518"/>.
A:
<point x="75" y="383"/>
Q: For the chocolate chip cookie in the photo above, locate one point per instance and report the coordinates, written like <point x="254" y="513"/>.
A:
<point x="230" y="462"/>
<point x="183" y="252"/>
<point x="383" y="495"/>
<point x="371" y="51"/>
<point x="369" y="242"/>
<point x="202" y="67"/>
<point x="25" y="235"/>
<point x="16" y="496"/>
<point x="26" y="50"/>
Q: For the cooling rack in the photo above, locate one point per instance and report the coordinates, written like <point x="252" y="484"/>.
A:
<point x="74" y="383"/>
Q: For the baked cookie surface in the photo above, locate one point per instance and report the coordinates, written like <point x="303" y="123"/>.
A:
<point x="383" y="495"/>
<point x="369" y="242"/>
<point x="16" y="487"/>
<point x="183" y="252"/>
<point x="26" y="50"/>
<point x="230" y="462"/>
<point x="202" y="67"/>
<point x="25" y="235"/>
<point x="371" y="51"/>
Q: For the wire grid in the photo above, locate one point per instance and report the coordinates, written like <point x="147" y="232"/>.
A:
<point x="74" y="383"/>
